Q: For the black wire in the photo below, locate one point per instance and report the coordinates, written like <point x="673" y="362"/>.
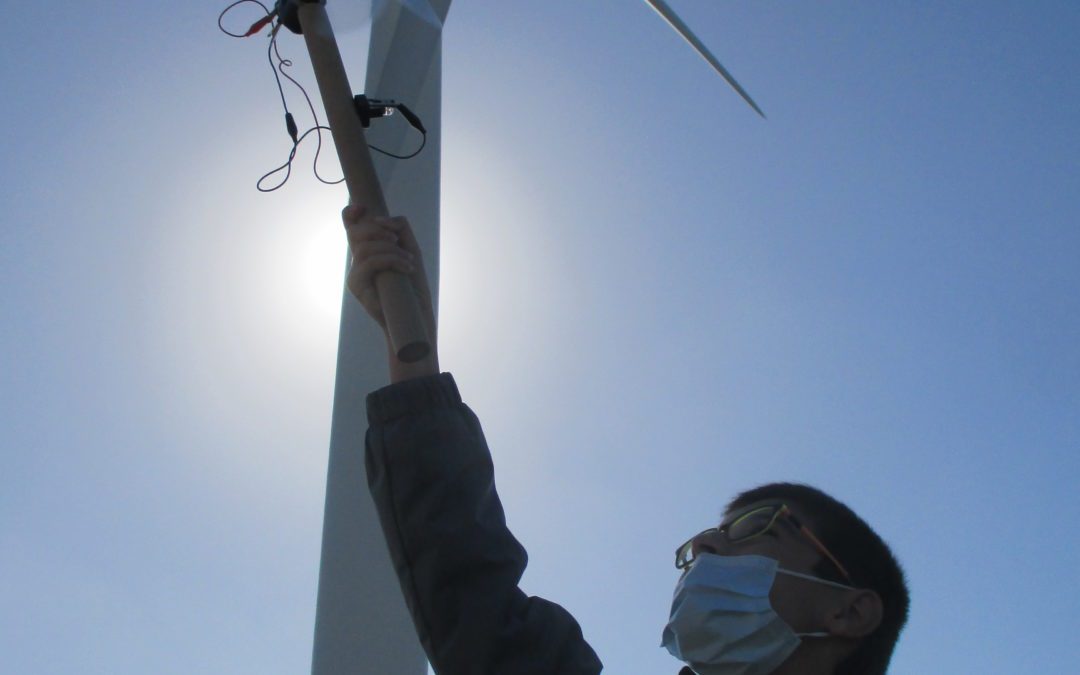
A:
<point x="287" y="166"/>
<point x="225" y="11"/>
<point x="279" y="72"/>
<point x="390" y="154"/>
<point x="282" y="65"/>
<point x="278" y="69"/>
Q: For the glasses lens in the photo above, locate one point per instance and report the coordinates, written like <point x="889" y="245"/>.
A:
<point x="752" y="523"/>
<point x="684" y="555"/>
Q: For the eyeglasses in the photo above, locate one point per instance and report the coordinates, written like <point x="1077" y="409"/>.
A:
<point x="755" y="522"/>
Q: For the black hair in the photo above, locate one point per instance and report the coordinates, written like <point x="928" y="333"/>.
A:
<point x="862" y="552"/>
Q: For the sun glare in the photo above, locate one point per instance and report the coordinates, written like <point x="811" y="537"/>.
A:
<point x="321" y="269"/>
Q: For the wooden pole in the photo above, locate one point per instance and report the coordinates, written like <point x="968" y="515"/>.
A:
<point x="404" y="322"/>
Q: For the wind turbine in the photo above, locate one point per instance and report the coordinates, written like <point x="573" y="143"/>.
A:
<point x="361" y="625"/>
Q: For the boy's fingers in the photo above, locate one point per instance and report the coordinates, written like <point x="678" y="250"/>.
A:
<point x="379" y="248"/>
<point x="405" y="233"/>
<point x="352" y="213"/>
<point x="396" y="224"/>
<point x="358" y="234"/>
<point x="390" y="224"/>
<point x="366" y="270"/>
<point x="362" y="229"/>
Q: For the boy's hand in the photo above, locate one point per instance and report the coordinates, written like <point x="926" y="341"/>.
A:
<point x="385" y="245"/>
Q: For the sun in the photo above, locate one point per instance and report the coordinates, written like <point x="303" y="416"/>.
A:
<point x="320" y="268"/>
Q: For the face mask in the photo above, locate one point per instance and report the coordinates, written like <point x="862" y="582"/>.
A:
<point x="721" y="620"/>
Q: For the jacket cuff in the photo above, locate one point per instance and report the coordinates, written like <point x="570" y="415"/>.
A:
<point x="415" y="395"/>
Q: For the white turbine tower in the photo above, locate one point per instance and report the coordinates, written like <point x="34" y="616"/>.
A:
<point x="362" y="626"/>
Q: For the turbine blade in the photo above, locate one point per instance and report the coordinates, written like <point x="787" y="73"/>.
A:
<point x="682" y="29"/>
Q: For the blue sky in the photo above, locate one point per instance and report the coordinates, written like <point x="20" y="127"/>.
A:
<point x="876" y="291"/>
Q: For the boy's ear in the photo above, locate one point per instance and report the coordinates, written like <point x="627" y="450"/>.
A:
<point x="856" y="616"/>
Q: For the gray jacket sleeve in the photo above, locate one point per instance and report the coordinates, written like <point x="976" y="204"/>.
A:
<point x="430" y="473"/>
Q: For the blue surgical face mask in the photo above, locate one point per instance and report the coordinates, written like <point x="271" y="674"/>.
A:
<point x="721" y="620"/>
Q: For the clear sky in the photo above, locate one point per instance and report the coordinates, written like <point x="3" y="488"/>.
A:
<point x="651" y="297"/>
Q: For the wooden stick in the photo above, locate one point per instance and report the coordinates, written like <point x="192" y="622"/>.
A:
<point x="404" y="322"/>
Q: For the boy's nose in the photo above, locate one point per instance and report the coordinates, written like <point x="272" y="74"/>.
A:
<point x="709" y="542"/>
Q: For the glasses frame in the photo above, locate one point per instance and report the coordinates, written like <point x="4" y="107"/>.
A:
<point x="682" y="561"/>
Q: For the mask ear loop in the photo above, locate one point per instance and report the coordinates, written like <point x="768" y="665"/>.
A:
<point x="824" y="581"/>
<point x="808" y="577"/>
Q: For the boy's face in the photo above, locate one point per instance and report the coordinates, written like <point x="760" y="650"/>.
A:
<point x="801" y="603"/>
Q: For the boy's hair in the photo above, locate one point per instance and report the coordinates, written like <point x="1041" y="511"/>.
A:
<point x="865" y="555"/>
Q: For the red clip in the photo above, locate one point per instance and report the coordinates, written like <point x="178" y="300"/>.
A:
<point x="259" y="25"/>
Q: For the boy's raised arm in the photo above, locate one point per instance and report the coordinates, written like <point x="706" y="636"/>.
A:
<point x="431" y="476"/>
